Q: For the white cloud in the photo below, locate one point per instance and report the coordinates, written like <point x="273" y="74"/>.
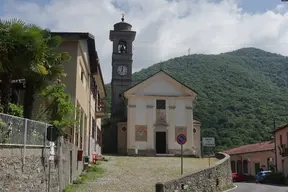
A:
<point x="164" y="29"/>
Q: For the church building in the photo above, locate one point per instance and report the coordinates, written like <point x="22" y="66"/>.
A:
<point x="147" y="117"/>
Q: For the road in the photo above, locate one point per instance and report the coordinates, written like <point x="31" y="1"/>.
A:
<point x="253" y="187"/>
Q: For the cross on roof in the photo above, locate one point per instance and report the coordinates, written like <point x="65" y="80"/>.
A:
<point x="122" y="19"/>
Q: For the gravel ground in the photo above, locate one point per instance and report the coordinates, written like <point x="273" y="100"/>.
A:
<point x="140" y="174"/>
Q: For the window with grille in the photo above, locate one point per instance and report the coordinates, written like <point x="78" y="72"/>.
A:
<point x="233" y="166"/>
<point x="93" y="128"/>
<point x="83" y="77"/>
<point x="245" y="166"/>
<point x="160" y="104"/>
<point x="239" y="166"/>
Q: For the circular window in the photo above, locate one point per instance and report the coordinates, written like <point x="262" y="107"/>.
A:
<point x="194" y="130"/>
<point x="124" y="128"/>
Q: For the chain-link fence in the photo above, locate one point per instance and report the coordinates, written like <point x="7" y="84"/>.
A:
<point x="22" y="132"/>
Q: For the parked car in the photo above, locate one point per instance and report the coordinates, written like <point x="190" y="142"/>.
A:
<point x="261" y="176"/>
<point x="237" y="177"/>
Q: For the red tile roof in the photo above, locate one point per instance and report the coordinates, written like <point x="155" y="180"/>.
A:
<point x="256" y="147"/>
<point x="282" y="127"/>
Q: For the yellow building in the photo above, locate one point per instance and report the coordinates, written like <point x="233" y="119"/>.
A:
<point x="84" y="83"/>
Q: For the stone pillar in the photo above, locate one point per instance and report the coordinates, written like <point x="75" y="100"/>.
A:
<point x="131" y="129"/>
<point x="189" y="128"/>
<point x="150" y="125"/>
<point x="171" y="122"/>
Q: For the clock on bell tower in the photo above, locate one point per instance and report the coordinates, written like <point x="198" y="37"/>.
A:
<point x="122" y="38"/>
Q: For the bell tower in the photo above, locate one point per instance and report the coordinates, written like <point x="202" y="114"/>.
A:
<point x="122" y="38"/>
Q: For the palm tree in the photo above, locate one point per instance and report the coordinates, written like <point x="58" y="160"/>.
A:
<point x="21" y="48"/>
<point x="53" y="63"/>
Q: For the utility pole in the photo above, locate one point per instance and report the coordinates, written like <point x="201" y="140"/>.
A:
<point x="189" y="51"/>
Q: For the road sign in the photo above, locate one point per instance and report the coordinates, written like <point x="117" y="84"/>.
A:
<point x="52" y="133"/>
<point x="181" y="139"/>
<point x="208" y="141"/>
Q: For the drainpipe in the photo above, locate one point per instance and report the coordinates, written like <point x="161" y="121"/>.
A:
<point x="89" y="109"/>
<point x="275" y="147"/>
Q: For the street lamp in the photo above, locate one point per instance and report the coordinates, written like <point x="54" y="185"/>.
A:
<point x="274" y="123"/>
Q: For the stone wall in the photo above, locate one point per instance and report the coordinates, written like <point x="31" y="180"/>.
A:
<point x="32" y="173"/>
<point x="69" y="159"/>
<point x="213" y="179"/>
<point x="27" y="174"/>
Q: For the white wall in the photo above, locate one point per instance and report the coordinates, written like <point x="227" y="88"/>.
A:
<point x="84" y="47"/>
<point x="180" y="119"/>
<point x="177" y="97"/>
<point x="131" y="124"/>
<point x="180" y="116"/>
<point x="160" y="88"/>
<point x="141" y="113"/>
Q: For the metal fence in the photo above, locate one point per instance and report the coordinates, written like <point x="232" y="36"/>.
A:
<point x="22" y="132"/>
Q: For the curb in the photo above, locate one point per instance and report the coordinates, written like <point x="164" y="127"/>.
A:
<point x="235" y="186"/>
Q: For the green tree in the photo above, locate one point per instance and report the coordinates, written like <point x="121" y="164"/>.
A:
<point x="20" y="52"/>
<point x="239" y="92"/>
<point x="53" y="62"/>
<point x="58" y="107"/>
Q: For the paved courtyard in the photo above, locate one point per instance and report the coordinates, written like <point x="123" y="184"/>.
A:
<point x="130" y="174"/>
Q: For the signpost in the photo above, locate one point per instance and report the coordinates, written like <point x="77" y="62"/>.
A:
<point x="181" y="140"/>
<point x="208" y="142"/>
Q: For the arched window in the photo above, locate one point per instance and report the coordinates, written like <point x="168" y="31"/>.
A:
<point x="122" y="47"/>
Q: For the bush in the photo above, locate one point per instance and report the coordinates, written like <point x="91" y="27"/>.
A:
<point x="275" y="178"/>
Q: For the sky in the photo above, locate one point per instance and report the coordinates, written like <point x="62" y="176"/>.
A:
<point x="165" y="28"/>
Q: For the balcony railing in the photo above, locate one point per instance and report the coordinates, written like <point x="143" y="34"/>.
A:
<point x="100" y="109"/>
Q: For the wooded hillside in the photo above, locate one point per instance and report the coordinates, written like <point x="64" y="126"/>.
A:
<point x="239" y="92"/>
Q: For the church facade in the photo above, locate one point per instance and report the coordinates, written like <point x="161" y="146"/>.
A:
<point x="147" y="117"/>
<point x="158" y="110"/>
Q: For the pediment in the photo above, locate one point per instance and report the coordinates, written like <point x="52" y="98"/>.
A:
<point x="159" y="88"/>
<point x="161" y="84"/>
